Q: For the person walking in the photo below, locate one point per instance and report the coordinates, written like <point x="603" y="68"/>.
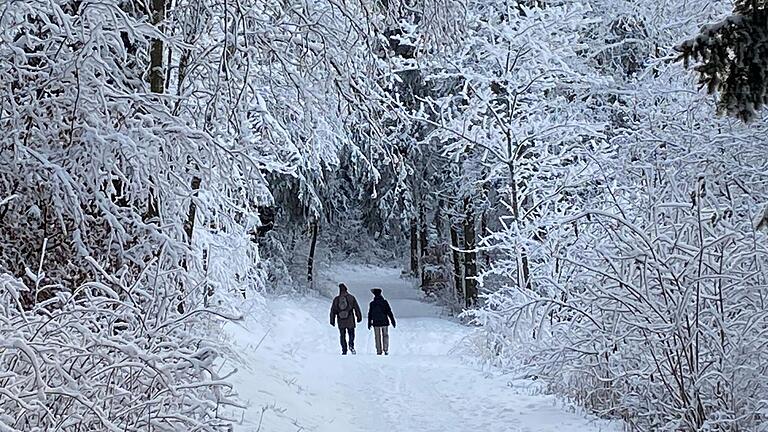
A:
<point x="346" y="312"/>
<point x="379" y="317"/>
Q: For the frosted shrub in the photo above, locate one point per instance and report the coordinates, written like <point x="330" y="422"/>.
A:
<point x="99" y="360"/>
<point x="679" y="319"/>
<point x="661" y="320"/>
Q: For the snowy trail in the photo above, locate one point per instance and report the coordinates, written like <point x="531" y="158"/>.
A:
<point x="297" y="380"/>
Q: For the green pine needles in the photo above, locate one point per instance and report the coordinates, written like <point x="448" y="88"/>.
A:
<point x="732" y="57"/>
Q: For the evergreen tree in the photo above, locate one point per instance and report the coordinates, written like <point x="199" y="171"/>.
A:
<point x="733" y="59"/>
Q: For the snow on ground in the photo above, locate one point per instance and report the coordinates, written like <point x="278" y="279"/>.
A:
<point x="295" y="379"/>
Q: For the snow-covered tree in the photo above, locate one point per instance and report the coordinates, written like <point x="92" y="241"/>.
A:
<point x="518" y="122"/>
<point x="143" y="143"/>
<point x="730" y="56"/>
<point x="655" y="312"/>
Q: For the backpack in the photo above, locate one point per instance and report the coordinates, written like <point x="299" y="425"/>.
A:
<point x="344" y="307"/>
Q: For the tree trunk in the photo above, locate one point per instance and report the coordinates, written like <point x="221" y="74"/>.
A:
<point x="312" y="249"/>
<point x="414" y="247"/>
<point x="470" y="255"/>
<point x="524" y="274"/>
<point x="182" y="76"/>
<point x="486" y="256"/>
<point x="156" y="85"/>
<point x="189" y="229"/>
<point x="439" y="219"/>
<point x="208" y="287"/>
<point x="423" y="246"/>
<point x="156" y="75"/>
<point x="458" y="277"/>
<point x="189" y="224"/>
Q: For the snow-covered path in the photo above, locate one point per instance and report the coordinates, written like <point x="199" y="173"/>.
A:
<point x="296" y="380"/>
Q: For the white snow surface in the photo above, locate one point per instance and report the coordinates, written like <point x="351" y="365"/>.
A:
<point x="294" y="378"/>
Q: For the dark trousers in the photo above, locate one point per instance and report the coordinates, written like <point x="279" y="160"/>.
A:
<point x="343" y="338"/>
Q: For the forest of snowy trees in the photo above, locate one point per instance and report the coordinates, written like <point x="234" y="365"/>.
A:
<point x="556" y="169"/>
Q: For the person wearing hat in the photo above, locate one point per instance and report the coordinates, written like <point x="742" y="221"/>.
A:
<point x="379" y="317"/>
<point x="346" y="311"/>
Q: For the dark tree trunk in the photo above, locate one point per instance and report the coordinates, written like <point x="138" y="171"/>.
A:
<point x="526" y="269"/>
<point x="486" y="256"/>
<point x="423" y="245"/>
<point x="439" y="219"/>
<point x="208" y="287"/>
<point x="414" y="234"/>
<point x="312" y="248"/>
<point x="157" y="85"/>
<point x="189" y="224"/>
<point x="156" y="75"/>
<point x="189" y="230"/>
<point x="182" y="76"/>
<point x="470" y="255"/>
<point x="458" y="277"/>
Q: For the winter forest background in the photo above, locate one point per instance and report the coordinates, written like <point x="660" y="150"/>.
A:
<point x="549" y="167"/>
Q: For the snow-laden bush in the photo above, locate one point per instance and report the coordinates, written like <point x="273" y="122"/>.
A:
<point x="653" y="311"/>
<point x="647" y="261"/>
<point x="109" y="359"/>
<point x="232" y="267"/>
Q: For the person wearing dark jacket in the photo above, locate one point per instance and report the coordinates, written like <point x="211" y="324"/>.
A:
<point x="346" y="311"/>
<point x="379" y="317"/>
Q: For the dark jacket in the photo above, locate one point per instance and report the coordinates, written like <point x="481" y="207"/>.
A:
<point x="380" y="313"/>
<point x="353" y="312"/>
